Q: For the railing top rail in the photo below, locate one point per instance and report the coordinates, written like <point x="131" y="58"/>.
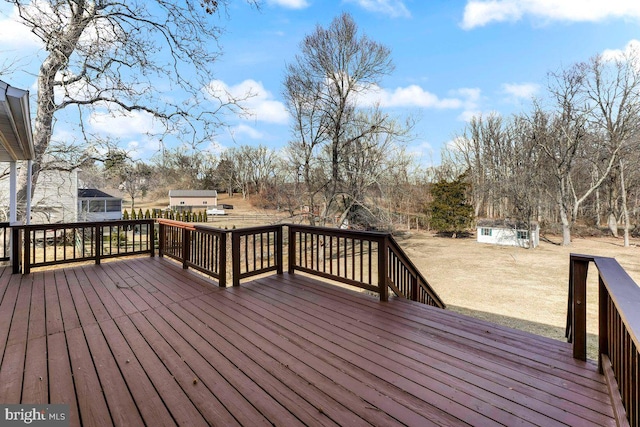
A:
<point x="259" y="228"/>
<point x="582" y="257"/>
<point x="175" y="223"/>
<point x="57" y="226"/>
<point x="414" y="270"/>
<point x="190" y="226"/>
<point x="623" y="290"/>
<point x="373" y="235"/>
<point x="210" y="229"/>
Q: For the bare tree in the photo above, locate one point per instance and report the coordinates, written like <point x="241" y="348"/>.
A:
<point x="322" y="89"/>
<point x="132" y="177"/>
<point x="612" y="89"/>
<point x="303" y="96"/>
<point x="184" y="167"/>
<point x="483" y="149"/>
<point x="109" y="55"/>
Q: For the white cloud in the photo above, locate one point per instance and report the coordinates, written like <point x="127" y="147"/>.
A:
<point x="253" y="96"/>
<point x="520" y="91"/>
<point x="465" y="99"/>
<point x="619" y="54"/>
<point x="410" y="96"/>
<point x="470" y="100"/>
<point x="14" y="35"/>
<point x="121" y="124"/>
<point x="457" y="144"/>
<point x="216" y="147"/>
<point x="478" y="13"/>
<point x="423" y="151"/>
<point x="392" y="8"/>
<point x="467" y="115"/>
<point x="248" y="131"/>
<point x="290" y="4"/>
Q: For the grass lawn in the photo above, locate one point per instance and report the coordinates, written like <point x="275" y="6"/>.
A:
<point x="521" y="288"/>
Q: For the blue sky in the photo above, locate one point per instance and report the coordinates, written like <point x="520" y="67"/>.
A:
<point x="453" y="59"/>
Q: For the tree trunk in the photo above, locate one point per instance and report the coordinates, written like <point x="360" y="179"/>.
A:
<point x="625" y="209"/>
<point x="612" y="223"/>
<point x="564" y="219"/>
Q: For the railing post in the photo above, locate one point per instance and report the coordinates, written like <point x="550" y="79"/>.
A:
<point x="26" y="258"/>
<point x="383" y="287"/>
<point x="222" y="268"/>
<point x="99" y="231"/>
<point x="16" y="252"/>
<point x="235" y="258"/>
<point x="414" y="288"/>
<point x="186" y="248"/>
<point x="603" y="323"/>
<point x="151" y="231"/>
<point x="579" y="268"/>
<point x="279" y="243"/>
<point x="161" y="239"/>
<point x="292" y="250"/>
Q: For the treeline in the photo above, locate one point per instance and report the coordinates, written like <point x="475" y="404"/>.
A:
<point x="573" y="158"/>
<point x="386" y="190"/>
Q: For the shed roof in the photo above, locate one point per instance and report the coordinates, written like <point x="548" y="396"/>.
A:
<point x="16" y="139"/>
<point x="193" y="193"/>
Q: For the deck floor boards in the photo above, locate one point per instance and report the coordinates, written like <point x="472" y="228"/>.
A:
<point x="143" y="342"/>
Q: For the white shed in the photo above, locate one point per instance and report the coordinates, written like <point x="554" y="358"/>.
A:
<point x="507" y="232"/>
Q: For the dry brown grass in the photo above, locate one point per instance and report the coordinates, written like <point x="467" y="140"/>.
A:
<point x="520" y="288"/>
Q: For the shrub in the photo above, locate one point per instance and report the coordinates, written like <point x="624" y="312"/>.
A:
<point x="119" y="238"/>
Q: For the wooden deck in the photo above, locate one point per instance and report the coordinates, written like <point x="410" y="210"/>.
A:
<point x="143" y="342"/>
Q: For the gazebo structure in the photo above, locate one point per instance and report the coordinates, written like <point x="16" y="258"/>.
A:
<point x="16" y="140"/>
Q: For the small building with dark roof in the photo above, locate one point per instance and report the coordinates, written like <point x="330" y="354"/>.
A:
<point x="95" y="205"/>
<point x="192" y="200"/>
<point x="508" y="232"/>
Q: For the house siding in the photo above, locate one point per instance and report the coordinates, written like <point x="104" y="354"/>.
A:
<point x="185" y="200"/>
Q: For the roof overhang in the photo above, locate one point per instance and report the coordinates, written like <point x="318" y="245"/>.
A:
<point x="16" y="139"/>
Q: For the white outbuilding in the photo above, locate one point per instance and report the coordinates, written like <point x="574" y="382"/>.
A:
<point x="509" y="233"/>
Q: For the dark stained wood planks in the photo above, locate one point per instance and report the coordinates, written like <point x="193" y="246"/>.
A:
<point x="143" y="342"/>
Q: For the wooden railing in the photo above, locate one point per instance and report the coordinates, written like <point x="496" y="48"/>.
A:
<point x="367" y="260"/>
<point x="50" y="244"/>
<point x="256" y="250"/>
<point x="405" y="279"/>
<point x="348" y="257"/>
<point x="5" y="241"/>
<point x="618" y="329"/>
<point x="199" y="247"/>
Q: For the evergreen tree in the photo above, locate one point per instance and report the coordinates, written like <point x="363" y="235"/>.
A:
<point x="449" y="210"/>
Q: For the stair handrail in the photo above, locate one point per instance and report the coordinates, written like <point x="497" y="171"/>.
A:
<point x="421" y="281"/>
